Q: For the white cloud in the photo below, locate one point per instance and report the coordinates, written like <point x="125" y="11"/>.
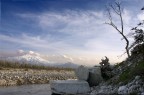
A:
<point x="140" y="16"/>
<point x="86" y="28"/>
<point x="127" y="17"/>
<point x="81" y="23"/>
<point x="35" y="42"/>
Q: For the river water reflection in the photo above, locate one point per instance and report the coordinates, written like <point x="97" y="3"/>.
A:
<point x="37" y="89"/>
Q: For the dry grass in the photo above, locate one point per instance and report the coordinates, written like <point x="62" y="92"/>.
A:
<point x="8" y="64"/>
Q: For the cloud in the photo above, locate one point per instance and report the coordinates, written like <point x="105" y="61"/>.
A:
<point x="34" y="42"/>
<point x="140" y="16"/>
<point x="127" y="17"/>
<point x="78" y="23"/>
<point x="84" y="34"/>
<point x="73" y="22"/>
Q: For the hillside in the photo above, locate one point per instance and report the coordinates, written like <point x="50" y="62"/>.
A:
<point x="128" y="76"/>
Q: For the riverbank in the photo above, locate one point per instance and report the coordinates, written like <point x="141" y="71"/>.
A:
<point x="12" y="77"/>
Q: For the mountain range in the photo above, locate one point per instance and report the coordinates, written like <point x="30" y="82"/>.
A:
<point x="34" y="58"/>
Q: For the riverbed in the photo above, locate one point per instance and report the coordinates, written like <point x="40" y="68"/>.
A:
<point x="35" y="89"/>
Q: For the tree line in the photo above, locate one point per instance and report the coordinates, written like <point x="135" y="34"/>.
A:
<point x="9" y="64"/>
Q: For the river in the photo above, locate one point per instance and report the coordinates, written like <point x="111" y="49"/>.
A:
<point x="36" y="89"/>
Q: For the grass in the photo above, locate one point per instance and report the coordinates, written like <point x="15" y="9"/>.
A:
<point x="26" y="66"/>
<point x="131" y="72"/>
<point x="125" y="76"/>
<point x="139" y="70"/>
<point x="118" y="64"/>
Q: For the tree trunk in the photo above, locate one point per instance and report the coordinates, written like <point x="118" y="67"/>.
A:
<point x="127" y="44"/>
<point x="118" y="11"/>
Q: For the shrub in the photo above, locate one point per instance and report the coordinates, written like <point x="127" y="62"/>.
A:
<point x="139" y="49"/>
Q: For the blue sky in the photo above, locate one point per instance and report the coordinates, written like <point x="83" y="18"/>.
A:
<point x="73" y="28"/>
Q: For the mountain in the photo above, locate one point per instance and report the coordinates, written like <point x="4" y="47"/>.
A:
<point x="34" y="58"/>
<point x="28" y="57"/>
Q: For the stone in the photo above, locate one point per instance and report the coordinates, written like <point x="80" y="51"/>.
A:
<point x="137" y="77"/>
<point x="95" y="76"/>
<point x="123" y="90"/>
<point x="69" y="87"/>
<point x="142" y="93"/>
<point x="3" y="82"/>
<point x="11" y="82"/>
<point x="82" y="73"/>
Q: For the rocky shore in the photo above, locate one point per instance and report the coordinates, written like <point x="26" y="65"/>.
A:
<point x="133" y="87"/>
<point x="11" y="77"/>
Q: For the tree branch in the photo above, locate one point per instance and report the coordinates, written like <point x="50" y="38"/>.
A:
<point x="118" y="11"/>
<point x="114" y="26"/>
<point x="115" y="10"/>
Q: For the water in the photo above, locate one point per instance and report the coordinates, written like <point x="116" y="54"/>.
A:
<point x="37" y="89"/>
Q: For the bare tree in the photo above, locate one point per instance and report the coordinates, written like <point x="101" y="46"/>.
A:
<point x="116" y="8"/>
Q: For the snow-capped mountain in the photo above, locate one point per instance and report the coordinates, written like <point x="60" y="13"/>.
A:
<point x="31" y="57"/>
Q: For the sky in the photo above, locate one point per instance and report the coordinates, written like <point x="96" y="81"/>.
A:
<point x="73" y="29"/>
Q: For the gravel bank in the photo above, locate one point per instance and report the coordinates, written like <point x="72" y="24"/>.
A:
<point x="10" y="77"/>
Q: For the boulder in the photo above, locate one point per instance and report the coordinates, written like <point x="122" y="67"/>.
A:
<point x="82" y="73"/>
<point x="69" y="87"/>
<point x="95" y="76"/>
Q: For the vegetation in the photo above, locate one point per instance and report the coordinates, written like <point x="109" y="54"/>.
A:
<point x="131" y="72"/>
<point x="26" y="66"/>
<point x="139" y="49"/>
<point x="138" y="44"/>
<point x="139" y="33"/>
<point x="139" y="69"/>
<point x="125" y="76"/>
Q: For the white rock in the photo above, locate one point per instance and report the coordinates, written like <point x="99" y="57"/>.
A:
<point x="122" y="90"/>
<point x="82" y="73"/>
<point x="142" y="93"/>
<point x="137" y="77"/>
<point x="69" y="87"/>
<point x="133" y="88"/>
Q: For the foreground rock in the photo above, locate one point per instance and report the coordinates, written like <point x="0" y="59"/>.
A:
<point x="95" y="76"/>
<point x="82" y="73"/>
<point x="70" y="87"/>
<point x="86" y="76"/>
<point x="91" y="75"/>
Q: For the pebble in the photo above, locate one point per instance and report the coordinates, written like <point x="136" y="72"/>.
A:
<point x="20" y="76"/>
<point x="134" y="86"/>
